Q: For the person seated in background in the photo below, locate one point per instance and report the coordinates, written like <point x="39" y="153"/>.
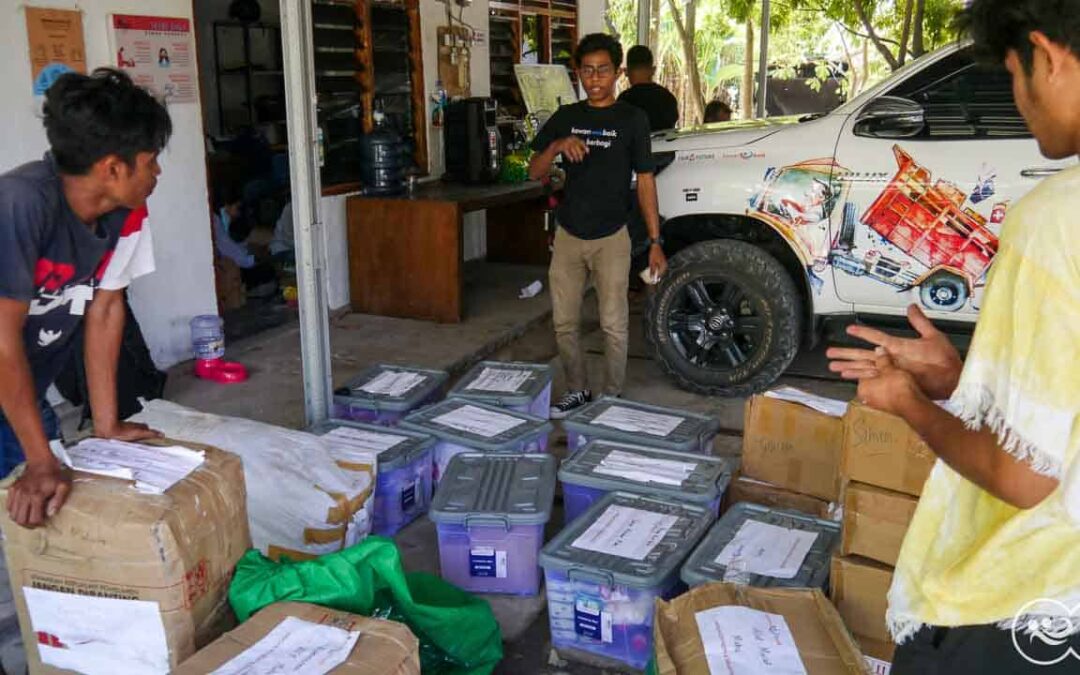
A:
<point x="283" y="245"/>
<point x="717" y="111"/>
<point x="659" y="104"/>
<point x="260" y="277"/>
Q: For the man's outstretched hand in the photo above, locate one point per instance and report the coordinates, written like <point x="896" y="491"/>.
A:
<point x="931" y="359"/>
<point x="127" y="431"/>
<point x="39" y="493"/>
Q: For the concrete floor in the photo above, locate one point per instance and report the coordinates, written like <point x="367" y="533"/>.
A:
<point x="499" y="326"/>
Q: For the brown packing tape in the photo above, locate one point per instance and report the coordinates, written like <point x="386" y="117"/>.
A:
<point x="281" y="554"/>
<point x="329" y="536"/>
<point x="355" y="466"/>
<point x="346" y="508"/>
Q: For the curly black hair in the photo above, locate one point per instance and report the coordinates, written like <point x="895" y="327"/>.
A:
<point x="599" y="42"/>
<point x="997" y="26"/>
<point x="89" y="117"/>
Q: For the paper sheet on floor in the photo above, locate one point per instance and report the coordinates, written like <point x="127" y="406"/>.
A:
<point x="626" y="532"/>
<point x="393" y="383"/>
<point x="296" y="647"/>
<point x="478" y="421"/>
<point x="154" y="469"/>
<point x="768" y="550"/>
<point x="828" y="406"/>
<point x="645" y="469"/>
<point x="638" y="421"/>
<point x="98" y="636"/>
<point x="499" y="379"/>
<point x="744" y="641"/>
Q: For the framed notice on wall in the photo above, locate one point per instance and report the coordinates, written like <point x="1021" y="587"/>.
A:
<point x="56" y="45"/>
<point x="159" y="54"/>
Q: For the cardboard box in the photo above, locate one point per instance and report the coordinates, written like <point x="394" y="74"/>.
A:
<point x="881" y="449"/>
<point x="878" y="654"/>
<point x="824" y="644"/>
<point x="875" y="522"/>
<point x="792" y="446"/>
<point x="139" y="569"/>
<point x="743" y="489"/>
<point x="384" y="647"/>
<point x="859" y="589"/>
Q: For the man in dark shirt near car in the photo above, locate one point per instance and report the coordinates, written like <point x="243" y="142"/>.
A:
<point x="658" y="103"/>
<point x="603" y="143"/>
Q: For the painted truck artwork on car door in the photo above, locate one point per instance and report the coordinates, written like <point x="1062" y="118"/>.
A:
<point x="921" y="233"/>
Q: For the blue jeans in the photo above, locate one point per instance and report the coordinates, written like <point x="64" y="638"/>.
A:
<point x="11" y="452"/>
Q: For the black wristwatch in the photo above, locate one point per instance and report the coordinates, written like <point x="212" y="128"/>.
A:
<point x="658" y="241"/>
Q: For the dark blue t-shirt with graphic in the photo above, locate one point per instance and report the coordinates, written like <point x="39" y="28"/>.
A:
<point x="597" y="201"/>
<point x="52" y="260"/>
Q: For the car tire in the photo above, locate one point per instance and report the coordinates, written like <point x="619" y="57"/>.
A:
<point x="757" y="308"/>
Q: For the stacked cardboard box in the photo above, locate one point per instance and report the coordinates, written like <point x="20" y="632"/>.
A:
<point x="883" y="468"/>
<point x="791" y="457"/>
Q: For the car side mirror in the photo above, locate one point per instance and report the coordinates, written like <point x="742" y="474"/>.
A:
<point x="891" y="117"/>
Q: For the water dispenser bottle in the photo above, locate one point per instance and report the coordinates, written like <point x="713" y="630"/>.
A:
<point x="208" y="337"/>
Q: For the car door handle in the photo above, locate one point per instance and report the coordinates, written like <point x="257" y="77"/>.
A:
<point x="1040" y="172"/>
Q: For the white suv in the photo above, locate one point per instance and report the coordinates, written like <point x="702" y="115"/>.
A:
<point x="895" y="197"/>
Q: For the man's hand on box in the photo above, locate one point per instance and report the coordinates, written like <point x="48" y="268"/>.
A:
<point x="39" y="493"/>
<point x="127" y="431"/>
<point x="930" y="358"/>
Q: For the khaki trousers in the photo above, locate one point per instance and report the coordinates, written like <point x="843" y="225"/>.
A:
<point x="607" y="260"/>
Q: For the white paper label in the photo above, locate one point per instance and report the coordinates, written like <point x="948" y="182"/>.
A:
<point x="744" y="641"/>
<point x="360" y="439"/>
<point x="877" y="666"/>
<point x="485" y="561"/>
<point x="768" y="550"/>
<point x="294" y="646"/>
<point x="154" y="469"/>
<point x="95" y="636"/>
<point x="393" y="383"/>
<point x="479" y="422"/>
<point x="642" y="469"/>
<point x="501" y="380"/>
<point x="626" y="532"/>
<point x="827" y="406"/>
<point x="638" y="421"/>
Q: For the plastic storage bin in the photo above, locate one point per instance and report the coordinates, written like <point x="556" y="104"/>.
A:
<point x="772" y="546"/>
<point x="605" y="571"/>
<point x="384" y="394"/>
<point x="615" y="419"/>
<point x="604" y="466"/>
<point x="402" y="461"/>
<point x="490" y="512"/>
<point x="521" y="387"/>
<point x="466" y="426"/>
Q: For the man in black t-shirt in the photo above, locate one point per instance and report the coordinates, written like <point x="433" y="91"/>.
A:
<point x="658" y="103"/>
<point x="603" y="142"/>
<point x="71" y="240"/>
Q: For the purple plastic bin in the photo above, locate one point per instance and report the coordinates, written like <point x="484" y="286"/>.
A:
<point x="624" y="421"/>
<point x="490" y="512"/>
<point x="521" y="387"/>
<point x="385" y="394"/>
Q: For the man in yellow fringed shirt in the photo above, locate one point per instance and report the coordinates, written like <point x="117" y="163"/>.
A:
<point x="989" y="574"/>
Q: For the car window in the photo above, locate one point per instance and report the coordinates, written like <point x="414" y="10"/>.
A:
<point x="964" y="99"/>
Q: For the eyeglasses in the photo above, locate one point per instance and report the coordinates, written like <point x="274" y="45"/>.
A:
<point x="597" y="71"/>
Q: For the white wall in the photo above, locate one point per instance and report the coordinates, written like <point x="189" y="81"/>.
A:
<point x="183" y="285"/>
<point x="591" y="17"/>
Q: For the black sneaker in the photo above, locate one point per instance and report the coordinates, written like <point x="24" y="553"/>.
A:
<point x="571" y="401"/>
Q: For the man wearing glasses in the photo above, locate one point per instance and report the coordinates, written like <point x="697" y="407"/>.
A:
<point x="603" y="143"/>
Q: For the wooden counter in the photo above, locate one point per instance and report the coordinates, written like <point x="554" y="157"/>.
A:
<point x="405" y="252"/>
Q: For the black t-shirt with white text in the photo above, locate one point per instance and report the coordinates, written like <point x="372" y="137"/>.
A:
<point x="597" y="200"/>
<point x="658" y="103"/>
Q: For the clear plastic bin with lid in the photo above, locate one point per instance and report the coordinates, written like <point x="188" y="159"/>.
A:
<point x="384" y="394"/>
<point x="616" y="419"/>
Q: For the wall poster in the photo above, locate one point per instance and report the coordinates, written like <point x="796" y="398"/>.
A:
<point x="56" y="45"/>
<point x="159" y="54"/>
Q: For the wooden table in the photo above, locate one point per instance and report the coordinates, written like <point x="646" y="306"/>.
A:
<point x="405" y="252"/>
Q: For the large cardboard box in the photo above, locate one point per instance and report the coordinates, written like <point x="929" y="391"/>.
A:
<point x="878" y="654"/>
<point x="859" y="588"/>
<point x="744" y="489"/>
<point x="792" y="446"/>
<point x="118" y="576"/>
<point x="875" y="522"/>
<point x="384" y="647"/>
<point x="825" y="646"/>
<point x="881" y="449"/>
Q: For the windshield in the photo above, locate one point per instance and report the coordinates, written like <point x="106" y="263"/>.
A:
<point x="901" y="74"/>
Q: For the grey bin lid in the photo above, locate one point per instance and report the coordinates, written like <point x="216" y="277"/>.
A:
<point x="701" y="567"/>
<point x="393" y="457"/>
<point x="707" y="482"/>
<point x="539" y="376"/>
<point x="424" y="421"/>
<point x="690" y="431"/>
<point x="605" y="568"/>
<point x="352" y="394"/>
<point x="502" y="489"/>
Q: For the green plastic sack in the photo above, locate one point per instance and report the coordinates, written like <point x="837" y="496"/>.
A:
<point x="458" y="633"/>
